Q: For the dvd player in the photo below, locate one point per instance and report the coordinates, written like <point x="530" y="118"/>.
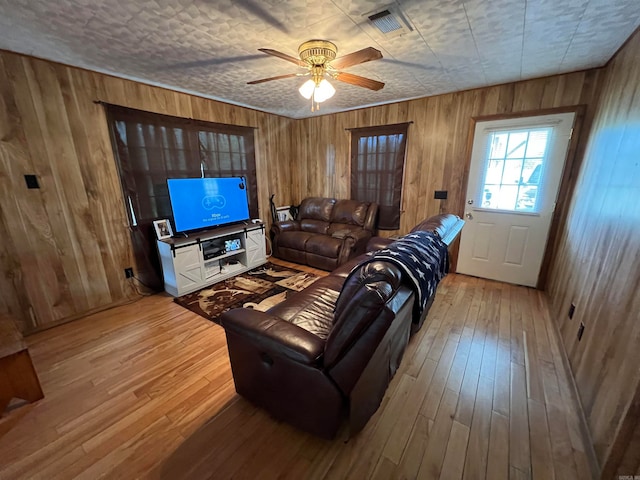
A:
<point x="213" y="248"/>
<point x="213" y="253"/>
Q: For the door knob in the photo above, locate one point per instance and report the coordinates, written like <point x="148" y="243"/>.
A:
<point x="469" y="216"/>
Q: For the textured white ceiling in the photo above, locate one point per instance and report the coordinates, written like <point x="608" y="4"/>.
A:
<point x="210" y="47"/>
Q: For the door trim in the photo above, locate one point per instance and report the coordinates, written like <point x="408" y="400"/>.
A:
<point x="567" y="179"/>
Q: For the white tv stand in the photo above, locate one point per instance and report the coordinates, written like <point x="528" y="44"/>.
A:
<point x="192" y="263"/>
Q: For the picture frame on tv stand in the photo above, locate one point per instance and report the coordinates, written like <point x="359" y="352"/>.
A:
<point x="163" y="229"/>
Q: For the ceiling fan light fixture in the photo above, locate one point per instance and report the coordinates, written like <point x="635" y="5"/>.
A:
<point x="307" y="88"/>
<point x="316" y="56"/>
<point x="317" y="52"/>
<point x="324" y="91"/>
<point x="317" y="91"/>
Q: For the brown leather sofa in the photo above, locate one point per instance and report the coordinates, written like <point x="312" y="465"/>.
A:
<point x="330" y="350"/>
<point x="327" y="232"/>
<point x="446" y="226"/>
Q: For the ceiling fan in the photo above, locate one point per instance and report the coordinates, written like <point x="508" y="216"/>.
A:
<point x="319" y="58"/>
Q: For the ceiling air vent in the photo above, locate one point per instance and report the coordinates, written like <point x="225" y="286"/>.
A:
<point x="390" y="22"/>
<point x="385" y="22"/>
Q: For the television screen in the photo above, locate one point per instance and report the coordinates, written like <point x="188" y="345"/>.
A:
<point x="207" y="202"/>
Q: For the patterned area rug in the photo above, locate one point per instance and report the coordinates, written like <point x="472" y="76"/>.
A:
<point x="260" y="289"/>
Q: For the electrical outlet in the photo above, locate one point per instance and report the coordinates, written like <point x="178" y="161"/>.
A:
<point x="572" y="310"/>
<point x="128" y="272"/>
<point x="580" y="331"/>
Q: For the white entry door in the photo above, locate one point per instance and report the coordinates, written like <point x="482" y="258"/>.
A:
<point x="515" y="172"/>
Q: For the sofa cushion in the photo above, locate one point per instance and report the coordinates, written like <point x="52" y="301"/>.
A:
<point x="294" y="240"/>
<point x="324" y="246"/>
<point x="316" y="208"/>
<point x="312" y="309"/>
<point x="351" y="212"/>
<point x="314" y="226"/>
<point x="293" y="255"/>
<point x="320" y="262"/>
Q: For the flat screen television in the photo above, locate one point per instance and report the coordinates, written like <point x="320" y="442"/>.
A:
<point x="199" y="203"/>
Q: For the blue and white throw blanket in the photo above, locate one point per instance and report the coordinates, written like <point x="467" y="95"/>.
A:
<point x="423" y="257"/>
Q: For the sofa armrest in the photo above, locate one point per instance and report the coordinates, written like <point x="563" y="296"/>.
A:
<point x="354" y="243"/>
<point x="446" y="225"/>
<point x="359" y="235"/>
<point x="370" y="221"/>
<point x="453" y="230"/>
<point x="285" y="226"/>
<point x="357" y="240"/>
<point x="355" y="235"/>
<point x="274" y="335"/>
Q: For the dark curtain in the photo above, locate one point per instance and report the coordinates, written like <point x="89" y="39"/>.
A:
<point x="149" y="148"/>
<point x="377" y="166"/>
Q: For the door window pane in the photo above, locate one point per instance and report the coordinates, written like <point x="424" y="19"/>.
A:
<point x="494" y="172"/>
<point x="512" y="172"/>
<point x="507" y="197"/>
<point x="513" y="169"/>
<point x="499" y="146"/>
<point x="517" y="144"/>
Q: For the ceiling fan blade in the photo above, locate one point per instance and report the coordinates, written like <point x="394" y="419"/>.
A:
<point x="283" y="56"/>
<point x="359" y="81"/>
<point x="279" y="77"/>
<point x="361" y="56"/>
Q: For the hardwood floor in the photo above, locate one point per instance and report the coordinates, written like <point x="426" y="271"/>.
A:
<point x="145" y="390"/>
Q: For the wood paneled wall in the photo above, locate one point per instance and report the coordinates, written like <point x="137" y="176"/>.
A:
<point x="64" y="246"/>
<point x="68" y="243"/>
<point x="437" y="155"/>
<point x="597" y="266"/>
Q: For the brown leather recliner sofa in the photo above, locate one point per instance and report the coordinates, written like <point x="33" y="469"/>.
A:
<point x="331" y="350"/>
<point x="327" y="232"/>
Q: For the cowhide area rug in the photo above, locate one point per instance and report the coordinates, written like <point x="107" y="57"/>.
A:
<point x="260" y="289"/>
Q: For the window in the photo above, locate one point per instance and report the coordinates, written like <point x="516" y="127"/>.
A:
<point x="377" y="166"/>
<point x="513" y="169"/>
<point x="149" y="148"/>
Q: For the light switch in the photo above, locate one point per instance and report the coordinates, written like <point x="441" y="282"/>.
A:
<point x="32" y="181"/>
